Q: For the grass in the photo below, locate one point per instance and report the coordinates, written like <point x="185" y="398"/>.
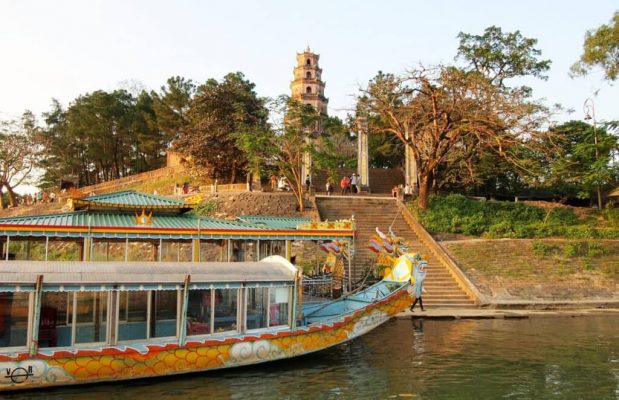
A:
<point x="543" y="260"/>
<point x="491" y="219"/>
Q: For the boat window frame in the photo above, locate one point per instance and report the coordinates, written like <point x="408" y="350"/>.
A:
<point x="269" y="327"/>
<point x="149" y="339"/>
<point x="29" y="327"/>
<point x="94" y="312"/>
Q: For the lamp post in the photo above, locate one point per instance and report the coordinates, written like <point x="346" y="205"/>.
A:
<point x="589" y="109"/>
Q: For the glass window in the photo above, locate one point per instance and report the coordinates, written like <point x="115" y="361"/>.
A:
<point x="272" y="248"/>
<point x="3" y="248"/>
<point x="65" y="250"/>
<point x="13" y="319"/>
<point x="176" y="250"/>
<point x="55" y="321"/>
<point x="163" y="313"/>
<point x="143" y="250"/>
<point x="108" y="250"/>
<point x="278" y="306"/>
<point x="257" y="308"/>
<point x="91" y="317"/>
<point x="244" y="250"/>
<point x="226" y="301"/>
<point x="132" y="315"/>
<point x="213" y="250"/>
<point x="185" y="252"/>
<point x="199" y="312"/>
<point x="20" y="249"/>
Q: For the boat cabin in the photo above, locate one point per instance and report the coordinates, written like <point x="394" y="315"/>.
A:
<point x="49" y="305"/>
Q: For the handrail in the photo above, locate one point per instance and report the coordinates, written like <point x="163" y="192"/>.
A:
<point x="463" y="281"/>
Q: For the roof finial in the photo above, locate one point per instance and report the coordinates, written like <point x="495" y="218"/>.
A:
<point x="307" y="49"/>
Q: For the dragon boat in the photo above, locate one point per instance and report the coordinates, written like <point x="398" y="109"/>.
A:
<point x="127" y="321"/>
<point x="129" y="286"/>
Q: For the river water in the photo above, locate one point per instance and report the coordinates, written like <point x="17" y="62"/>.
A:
<point x="550" y="358"/>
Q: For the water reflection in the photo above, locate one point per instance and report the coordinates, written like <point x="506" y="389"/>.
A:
<point x="470" y="359"/>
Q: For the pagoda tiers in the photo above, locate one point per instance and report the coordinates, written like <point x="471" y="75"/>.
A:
<point x="133" y="226"/>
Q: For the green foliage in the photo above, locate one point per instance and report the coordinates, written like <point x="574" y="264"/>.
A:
<point x="206" y="208"/>
<point x="543" y="249"/>
<point x="500" y="56"/>
<point x="457" y="214"/>
<point x="101" y="136"/>
<point x="596" y="249"/>
<point x="611" y="216"/>
<point x="601" y="49"/>
<point x="217" y="113"/>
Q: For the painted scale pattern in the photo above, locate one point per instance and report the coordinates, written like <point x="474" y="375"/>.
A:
<point x="126" y="362"/>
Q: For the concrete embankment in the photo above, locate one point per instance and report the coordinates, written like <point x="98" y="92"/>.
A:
<point x="480" y="313"/>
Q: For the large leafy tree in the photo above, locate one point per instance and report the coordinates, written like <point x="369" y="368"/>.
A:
<point x="101" y="136"/>
<point x="216" y="112"/>
<point x="283" y="144"/>
<point x="18" y="154"/>
<point x="577" y="169"/>
<point x="171" y="105"/>
<point x="502" y="55"/>
<point x="443" y="111"/>
<point x="600" y="49"/>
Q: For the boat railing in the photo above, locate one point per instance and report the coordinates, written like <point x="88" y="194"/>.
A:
<point x="317" y="289"/>
<point x="336" y="309"/>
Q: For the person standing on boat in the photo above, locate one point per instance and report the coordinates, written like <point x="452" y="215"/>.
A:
<point x="419" y="274"/>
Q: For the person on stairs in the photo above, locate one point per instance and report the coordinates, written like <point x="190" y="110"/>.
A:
<point x="419" y="275"/>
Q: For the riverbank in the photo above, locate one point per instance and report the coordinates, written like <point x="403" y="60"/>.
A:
<point x="482" y="313"/>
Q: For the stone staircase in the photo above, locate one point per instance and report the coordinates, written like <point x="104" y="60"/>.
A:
<point x="382" y="212"/>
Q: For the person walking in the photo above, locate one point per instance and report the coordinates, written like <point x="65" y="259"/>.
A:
<point x="329" y="186"/>
<point x="419" y="275"/>
<point x="354" y="183"/>
<point x="345" y="185"/>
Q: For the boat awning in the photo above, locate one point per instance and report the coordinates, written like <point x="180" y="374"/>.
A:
<point x="79" y="276"/>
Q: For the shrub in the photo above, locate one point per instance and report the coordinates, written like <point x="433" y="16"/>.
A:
<point x="596" y="249"/>
<point x="503" y="229"/>
<point x="457" y="214"/>
<point x="543" y="249"/>
<point x="206" y="208"/>
<point x="572" y="249"/>
<point x="563" y="216"/>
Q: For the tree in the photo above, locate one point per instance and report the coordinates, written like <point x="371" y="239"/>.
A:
<point x="218" y="111"/>
<point x="500" y="56"/>
<point x="171" y="105"/>
<point x="334" y="148"/>
<point x="18" y="154"/>
<point x="576" y="170"/>
<point x="601" y="49"/>
<point x="284" y="143"/>
<point x="441" y="111"/>
<point x="101" y="136"/>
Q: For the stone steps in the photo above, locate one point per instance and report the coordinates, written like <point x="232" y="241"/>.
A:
<point x="373" y="212"/>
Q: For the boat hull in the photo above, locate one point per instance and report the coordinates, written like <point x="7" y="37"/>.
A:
<point x="112" y="363"/>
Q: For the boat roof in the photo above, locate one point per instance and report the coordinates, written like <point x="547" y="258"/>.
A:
<point x="67" y="275"/>
<point x="130" y="200"/>
<point x="274" y="221"/>
<point x="117" y="215"/>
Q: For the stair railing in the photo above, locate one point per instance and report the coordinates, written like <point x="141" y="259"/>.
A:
<point x="440" y="253"/>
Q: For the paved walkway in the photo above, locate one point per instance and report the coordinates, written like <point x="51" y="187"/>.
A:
<point x="478" y="313"/>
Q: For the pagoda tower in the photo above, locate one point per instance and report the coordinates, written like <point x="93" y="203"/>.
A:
<point x="308" y="88"/>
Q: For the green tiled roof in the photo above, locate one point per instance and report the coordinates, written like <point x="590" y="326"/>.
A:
<point x="123" y="225"/>
<point x="125" y="220"/>
<point x="132" y="198"/>
<point x="275" y="222"/>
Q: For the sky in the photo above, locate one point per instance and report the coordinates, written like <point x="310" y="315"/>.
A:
<point x="63" y="49"/>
